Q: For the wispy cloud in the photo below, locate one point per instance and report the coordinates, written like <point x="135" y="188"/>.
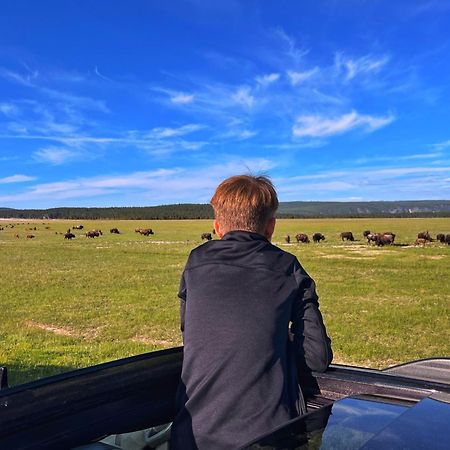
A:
<point x="144" y="187"/>
<point x="172" y="132"/>
<point x="244" y="98"/>
<point x="298" y="77"/>
<point x="18" y="78"/>
<point x="290" y="46"/>
<point x="8" y="109"/>
<point x="55" y="155"/>
<point x="16" y="179"/>
<point x="100" y="75"/>
<point x="364" y="65"/>
<point x="265" y="80"/>
<point x="319" y="126"/>
<point x="182" y="99"/>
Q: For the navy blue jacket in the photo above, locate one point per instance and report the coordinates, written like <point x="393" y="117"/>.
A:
<point x="249" y="316"/>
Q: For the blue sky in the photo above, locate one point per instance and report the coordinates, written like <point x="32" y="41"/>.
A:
<point x="113" y="103"/>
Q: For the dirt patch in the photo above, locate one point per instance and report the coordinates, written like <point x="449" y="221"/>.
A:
<point x="159" y="342"/>
<point x="432" y="257"/>
<point x="64" y="331"/>
<point x="342" y="257"/>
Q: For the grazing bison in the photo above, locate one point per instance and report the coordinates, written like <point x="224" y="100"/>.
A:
<point x="206" y="236"/>
<point x="144" y="231"/>
<point x="317" y="237"/>
<point x="30" y="236"/>
<point x="384" y="239"/>
<point x="77" y="227"/>
<point x="287" y="239"/>
<point x="441" y="238"/>
<point x="424" y="235"/>
<point x="366" y="233"/>
<point x="301" y="237"/>
<point x="388" y="237"/>
<point x="92" y="234"/>
<point x="447" y="239"/>
<point x="69" y="235"/>
<point x="347" y="235"/>
<point x="114" y="231"/>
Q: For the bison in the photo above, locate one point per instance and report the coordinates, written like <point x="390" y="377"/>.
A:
<point x="317" y="237"/>
<point x="301" y="237"/>
<point x="347" y="235"/>
<point x="114" y="231"/>
<point x="384" y="239"/>
<point x="92" y="234"/>
<point x="77" y="227"/>
<point x="441" y="238"/>
<point x="206" y="236"/>
<point x="447" y="239"/>
<point x="30" y="236"/>
<point x="69" y="235"/>
<point x="144" y="231"/>
<point x="366" y="233"/>
<point x="424" y="235"/>
<point x="287" y="239"/>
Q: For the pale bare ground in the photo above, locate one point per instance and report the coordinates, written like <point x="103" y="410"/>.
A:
<point x="64" y="331"/>
<point x="345" y="257"/>
<point x="166" y="343"/>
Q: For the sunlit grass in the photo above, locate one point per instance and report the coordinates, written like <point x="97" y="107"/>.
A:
<point x="68" y="304"/>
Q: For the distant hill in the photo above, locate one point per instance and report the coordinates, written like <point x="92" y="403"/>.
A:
<point x="413" y="208"/>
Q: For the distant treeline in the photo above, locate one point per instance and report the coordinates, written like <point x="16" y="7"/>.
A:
<point x="414" y="208"/>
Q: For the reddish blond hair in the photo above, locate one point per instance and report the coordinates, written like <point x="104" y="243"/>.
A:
<point x="245" y="202"/>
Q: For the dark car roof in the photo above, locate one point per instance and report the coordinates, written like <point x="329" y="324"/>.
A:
<point x="366" y="423"/>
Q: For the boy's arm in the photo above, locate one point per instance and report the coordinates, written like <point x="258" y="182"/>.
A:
<point x="310" y="335"/>
<point x="182" y="296"/>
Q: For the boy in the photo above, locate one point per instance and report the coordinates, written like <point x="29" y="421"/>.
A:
<point x="238" y="297"/>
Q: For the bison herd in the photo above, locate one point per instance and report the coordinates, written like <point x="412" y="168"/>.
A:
<point x="379" y="239"/>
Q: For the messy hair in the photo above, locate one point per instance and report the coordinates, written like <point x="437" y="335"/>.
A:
<point x="245" y="202"/>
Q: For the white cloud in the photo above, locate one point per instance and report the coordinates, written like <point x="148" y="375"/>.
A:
<point x="8" y="109"/>
<point x="182" y="99"/>
<point x="243" y="97"/>
<point x="364" y="65"/>
<point x="158" y="186"/>
<point x="320" y="126"/>
<point x="290" y="45"/>
<point x="238" y="134"/>
<point x="299" y="77"/>
<point x="265" y="80"/>
<point x="16" y="179"/>
<point x="54" y="155"/>
<point x="172" y="132"/>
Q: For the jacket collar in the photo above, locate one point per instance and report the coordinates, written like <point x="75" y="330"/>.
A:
<point x="243" y="236"/>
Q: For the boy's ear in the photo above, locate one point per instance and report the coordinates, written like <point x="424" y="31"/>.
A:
<point x="216" y="224"/>
<point x="270" y="228"/>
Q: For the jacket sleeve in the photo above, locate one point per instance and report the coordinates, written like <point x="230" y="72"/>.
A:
<point x="310" y="336"/>
<point x="182" y="296"/>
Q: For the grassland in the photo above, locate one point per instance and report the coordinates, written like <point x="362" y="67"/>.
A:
<point x="68" y="304"/>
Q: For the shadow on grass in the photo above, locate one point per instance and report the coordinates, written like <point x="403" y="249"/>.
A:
<point x="19" y="374"/>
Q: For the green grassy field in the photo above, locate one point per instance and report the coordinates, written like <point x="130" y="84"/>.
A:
<point x="68" y="304"/>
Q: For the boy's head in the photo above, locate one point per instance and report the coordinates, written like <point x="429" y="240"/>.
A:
<point x="246" y="203"/>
